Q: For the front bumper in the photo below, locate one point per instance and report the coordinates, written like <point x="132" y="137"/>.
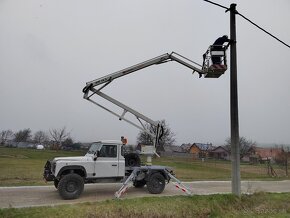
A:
<point x="48" y="171"/>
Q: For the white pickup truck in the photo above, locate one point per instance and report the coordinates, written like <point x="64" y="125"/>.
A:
<point x="104" y="162"/>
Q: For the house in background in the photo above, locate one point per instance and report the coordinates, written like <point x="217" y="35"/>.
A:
<point x="220" y="153"/>
<point x="200" y="150"/>
<point x="185" y="147"/>
<point x="174" y="151"/>
<point x="262" y="155"/>
<point x="194" y="149"/>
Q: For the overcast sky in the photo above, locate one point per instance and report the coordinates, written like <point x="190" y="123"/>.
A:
<point x="49" y="49"/>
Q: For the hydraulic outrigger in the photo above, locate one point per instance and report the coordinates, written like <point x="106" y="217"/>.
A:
<point x="207" y="69"/>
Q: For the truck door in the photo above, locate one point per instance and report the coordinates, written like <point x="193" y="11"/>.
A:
<point x="106" y="164"/>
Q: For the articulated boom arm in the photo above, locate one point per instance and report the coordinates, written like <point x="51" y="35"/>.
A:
<point x="157" y="60"/>
<point x="90" y="89"/>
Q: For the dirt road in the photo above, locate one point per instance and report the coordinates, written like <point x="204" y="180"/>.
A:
<point x="48" y="195"/>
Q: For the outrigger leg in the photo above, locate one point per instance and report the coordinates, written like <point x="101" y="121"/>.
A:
<point x="126" y="184"/>
<point x="178" y="184"/>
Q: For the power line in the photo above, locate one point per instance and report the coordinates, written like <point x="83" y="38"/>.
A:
<point x="217" y="4"/>
<point x="256" y="25"/>
<point x="247" y="19"/>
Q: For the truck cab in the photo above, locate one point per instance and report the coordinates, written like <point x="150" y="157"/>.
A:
<point x="104" y="159"/>
<point x="104" y="162"/>
<point x="107" y="159"/>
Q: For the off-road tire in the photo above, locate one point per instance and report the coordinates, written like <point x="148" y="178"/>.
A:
<point x="55" y="182"/>
<point x="156" y="183"/>
<point x="139" y="184"/>
<point x="70" y="186"/>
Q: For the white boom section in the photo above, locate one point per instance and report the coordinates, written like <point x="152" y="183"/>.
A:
<point x="157" y="60"/>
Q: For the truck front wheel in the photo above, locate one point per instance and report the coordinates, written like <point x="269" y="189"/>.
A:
<point x="156" y="183"/>
<point x="70" y="186"/>
<point x="55" y="182"/>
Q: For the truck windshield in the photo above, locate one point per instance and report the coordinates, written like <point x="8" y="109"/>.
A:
<point x="95" y="147"/>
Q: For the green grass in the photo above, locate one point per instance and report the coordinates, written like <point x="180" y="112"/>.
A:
<point x="188" y="169"/>
<point x="226" y="205"/>
<point x="25" y="167"/>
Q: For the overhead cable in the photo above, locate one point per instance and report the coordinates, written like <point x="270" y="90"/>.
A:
<point x="256" y="25"/>
<point x="217" y="4"/>
<point x="247" y="19"/>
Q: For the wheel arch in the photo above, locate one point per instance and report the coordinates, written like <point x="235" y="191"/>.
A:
<point x="80" y="170"/>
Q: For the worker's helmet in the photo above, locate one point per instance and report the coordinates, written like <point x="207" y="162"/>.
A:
<point x="225" y="36"/>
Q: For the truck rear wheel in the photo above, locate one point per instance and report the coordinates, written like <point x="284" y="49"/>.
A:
<point x="139" y="184"/>
<point x="71" y="186"/>
<point x="156" y="183"/>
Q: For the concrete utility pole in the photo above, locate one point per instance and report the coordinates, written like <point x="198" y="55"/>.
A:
<point x="235" y="147"/>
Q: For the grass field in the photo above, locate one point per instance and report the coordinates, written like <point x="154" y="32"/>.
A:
<point x="257" y="205"/>
<point x="188" y="169"/>
<point x="25" y="167"/>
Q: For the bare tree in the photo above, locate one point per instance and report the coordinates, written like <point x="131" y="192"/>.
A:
<point x="245" y="145"/>
<point x="68" y="142"/>
<point x="5" y="135"/>
<point x="167" y="138"/>
<point x="58" y="136"/>
<point x="40" y="137"/>
<point x="22" y="135"/>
